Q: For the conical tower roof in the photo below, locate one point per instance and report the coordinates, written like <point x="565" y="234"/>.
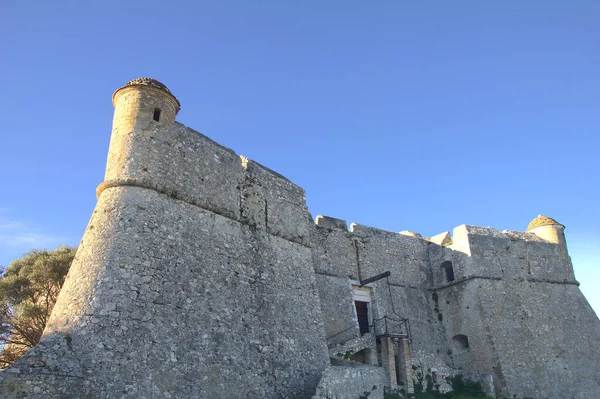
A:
<point x="150" y="83"/>
<point x="542" y="221"/>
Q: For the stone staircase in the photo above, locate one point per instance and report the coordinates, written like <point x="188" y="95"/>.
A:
<point x="353" y="345"/>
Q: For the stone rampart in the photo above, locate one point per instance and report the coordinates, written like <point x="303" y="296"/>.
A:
<point x="186" y="284"/>
<point x="557" y="321"/>
<point x="513" y="292"/>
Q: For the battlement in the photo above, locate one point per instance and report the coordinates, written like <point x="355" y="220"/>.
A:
<point x="457" y="239"/>
<point x="472" y="251"/>
<point x="502" y="234"/>
<point x="360" y="229"/>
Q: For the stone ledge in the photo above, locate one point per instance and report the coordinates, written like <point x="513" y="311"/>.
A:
<point x="140" y="183"/>
<point x="522" y="279"/>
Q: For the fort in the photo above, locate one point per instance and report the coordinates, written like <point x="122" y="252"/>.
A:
<point x="201" y="274"/>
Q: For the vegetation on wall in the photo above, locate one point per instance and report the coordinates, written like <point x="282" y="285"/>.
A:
<point x="28" y="291"/>
<point x="426" y="388"/>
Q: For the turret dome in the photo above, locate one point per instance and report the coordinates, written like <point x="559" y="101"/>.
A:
<point x="542" y="221"/>
<point x="150" y="83"/>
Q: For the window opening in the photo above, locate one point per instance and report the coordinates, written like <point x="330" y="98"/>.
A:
<point x="448" y="270"/>
<point x="362" y="313"/>
<point x="434" y="375"/>
<point x="157" y="114"/>
<point x="461" y="342"/>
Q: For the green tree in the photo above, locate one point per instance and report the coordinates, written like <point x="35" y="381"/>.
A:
<point x="28" y="292"/>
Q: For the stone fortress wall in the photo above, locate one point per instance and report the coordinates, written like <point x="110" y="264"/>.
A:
<point x="188" y="279"/>
<point x="539" y="336"/>
<point x="513" y="295"/>
<point x="201" y="274"/>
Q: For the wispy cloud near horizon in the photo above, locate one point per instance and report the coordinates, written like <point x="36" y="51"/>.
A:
<point x="17" y="236"/>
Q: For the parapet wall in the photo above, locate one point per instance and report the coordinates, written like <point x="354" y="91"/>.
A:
<point x="487" y="252"/>
<point x="184" y="164"/>
<point x="364" y="251"/>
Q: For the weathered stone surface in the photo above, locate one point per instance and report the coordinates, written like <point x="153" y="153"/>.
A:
<point x="202" y="306"/>
<point x="351" y="382"/>
<point x="352" y="346"/>
<point x="202" y="275"/>
<point x="332" y="223"/>
<point x="173" y="294"/>
<point x="442" y="239"/>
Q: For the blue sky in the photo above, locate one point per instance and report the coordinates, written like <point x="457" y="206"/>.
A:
<point x="395" y="114"/>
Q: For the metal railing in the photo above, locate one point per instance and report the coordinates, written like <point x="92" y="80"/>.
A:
<point x="385" y="326"/>
<point x="392" y="327"/>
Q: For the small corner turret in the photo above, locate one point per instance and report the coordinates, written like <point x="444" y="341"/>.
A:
<point x="141" y="101"/>
<point x="548" y="229"/>
<point x="141" y="104"/>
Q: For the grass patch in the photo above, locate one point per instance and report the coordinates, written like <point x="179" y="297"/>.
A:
<point x="461" y="389"/>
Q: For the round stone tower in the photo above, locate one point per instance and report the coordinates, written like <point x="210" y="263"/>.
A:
<point x="549" y="230"/>
<point x="142" y="101"/>
<point x="141" y="104"/>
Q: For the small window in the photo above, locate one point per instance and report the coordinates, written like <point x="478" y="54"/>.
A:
<point x="461" y="343"/>
<point x="157" y="114"/>
<point x="448" y="271"/>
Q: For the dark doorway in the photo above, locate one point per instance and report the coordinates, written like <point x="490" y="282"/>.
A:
<point x="461" y="343"/>
<point x="362" y="312"/>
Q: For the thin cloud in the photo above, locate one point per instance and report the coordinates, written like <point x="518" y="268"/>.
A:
<point x="14" y="233"/>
